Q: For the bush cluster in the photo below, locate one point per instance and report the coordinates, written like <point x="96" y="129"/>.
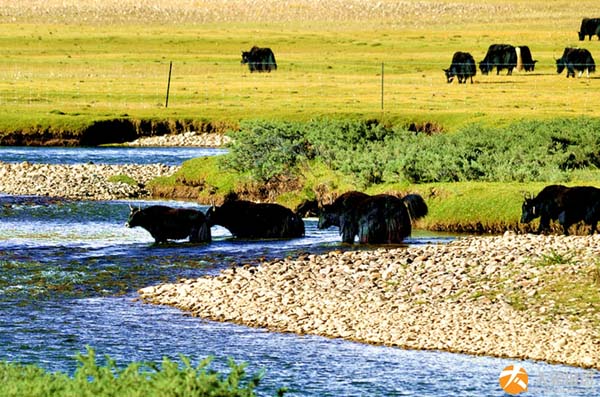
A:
<point x="373" y="153"/>
<point x="138" y="379"/>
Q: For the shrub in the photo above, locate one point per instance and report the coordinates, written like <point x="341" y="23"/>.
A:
<point x="137" y="379"/>
<point x="371" y="153"/>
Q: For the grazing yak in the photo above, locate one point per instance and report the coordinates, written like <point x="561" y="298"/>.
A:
<point x="462" y="66"/>
<point x="547" y="206"/>
<point x="166" y="223"/>
<point x="259" y="59"/>
<point x="246" y="219"/>
<point x="506" y="56"/>
<point x="574" y="59"/>
<point x="500" y="56"/>
<point x="589" y="27"/>
<point x="379" y="219"/>
<point x="568" y="205"/>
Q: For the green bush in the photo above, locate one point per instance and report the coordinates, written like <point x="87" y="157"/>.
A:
<point x="170" y="379"/>
<point x="268" y="151"/>
<point x="371" y="153"/>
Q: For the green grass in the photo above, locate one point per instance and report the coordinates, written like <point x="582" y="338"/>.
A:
<point x="63" y="75"/>
<point x="169" y="378"/>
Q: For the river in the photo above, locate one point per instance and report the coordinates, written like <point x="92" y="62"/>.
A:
<point x="69" y="272"/>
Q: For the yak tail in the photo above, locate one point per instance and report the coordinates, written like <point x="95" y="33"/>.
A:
<point x="519" y="59"/>
<point x="416" y="206"/>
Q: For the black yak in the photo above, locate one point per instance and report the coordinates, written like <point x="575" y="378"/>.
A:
<point x="574" y="59"/>
<point x="166" y="223"/>
<point x="547" y="206"/>
<point x="259" y="59"/>
<point x="567" y="205"/>
<point x="246" y="219"/>
<point x="500" y="56"/>
<point x="589" y="27"/>
<point x="379" y="219"/>
<point x="462" y="66"/>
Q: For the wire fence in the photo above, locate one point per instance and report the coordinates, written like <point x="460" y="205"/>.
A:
<point x="300" y="87"/>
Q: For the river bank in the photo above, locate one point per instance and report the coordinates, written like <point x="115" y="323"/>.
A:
<point x="497" y="296"/>
<point x="80" y="181"/>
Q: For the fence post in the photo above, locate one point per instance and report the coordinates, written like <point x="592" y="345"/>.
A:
<point x="169" y="84"/>
<point x="382" y="86"/>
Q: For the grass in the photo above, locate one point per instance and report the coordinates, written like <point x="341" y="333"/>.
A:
<point x="91" y="378"/>
<point x="65" y="67"/>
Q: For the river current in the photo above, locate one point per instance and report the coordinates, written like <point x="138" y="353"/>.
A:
<point x="69" y="272"/>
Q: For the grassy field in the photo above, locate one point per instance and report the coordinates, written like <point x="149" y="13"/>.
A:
<point x="67" y="64"/>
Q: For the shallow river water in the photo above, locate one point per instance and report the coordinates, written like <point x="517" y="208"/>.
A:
<point x="69" y="272"/>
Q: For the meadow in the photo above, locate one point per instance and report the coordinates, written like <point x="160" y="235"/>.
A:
<point x="68" y="64"/>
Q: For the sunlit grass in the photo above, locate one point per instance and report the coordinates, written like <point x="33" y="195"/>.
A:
<point x="66" y="66"/>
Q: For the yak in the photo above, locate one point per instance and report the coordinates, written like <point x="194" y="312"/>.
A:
<point x="259" y="59"/>
<point x="500" y="56"/>
<point x="547" y="205"/>
<point x="462" y="66"/>
<point x="506" y="56"/>
<point x="166" y="223"/>
<point x="378" y="219"/>
<point x="574" y="59"/>
<point x="589" y="27"/>
<point x="246" y="219"/>
<point x="567" y="205"/>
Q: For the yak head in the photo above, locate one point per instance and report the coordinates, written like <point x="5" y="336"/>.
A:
<point x="560" y="65"/>
<point x="328" y="217"/>
<point x="485" y="67"/>
<point x="449" y="75"/>
<point x="137" y="217"/>
<point x="245" y="57"/>
<point x="529" y="210"/>
<point x="212" y="215"/>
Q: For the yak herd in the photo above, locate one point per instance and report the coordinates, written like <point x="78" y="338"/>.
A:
<point x="506" y="56"/>
<point x="377" y="219"/>
<point x="463" y="67"/>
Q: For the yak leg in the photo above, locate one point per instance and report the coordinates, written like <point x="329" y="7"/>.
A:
<point x="348" y="229"/>
<point x="544" y="225"/>
<point x="562" y="219"/>
<point x="593" y="228"/>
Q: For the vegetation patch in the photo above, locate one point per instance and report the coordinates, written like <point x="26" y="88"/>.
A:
<point x="146" y="379"/>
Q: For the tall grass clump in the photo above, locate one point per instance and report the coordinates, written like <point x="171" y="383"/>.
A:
<point x="169" y="379"/>
<point x="371" y="153"/>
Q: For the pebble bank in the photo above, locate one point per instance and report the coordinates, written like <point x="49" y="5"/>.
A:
<point x="79" y="181"/>
<point x="477" y="295"/>
<point x="186" y="139"/>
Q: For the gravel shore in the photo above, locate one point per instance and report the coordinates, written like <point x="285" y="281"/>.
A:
<point x="79" y="181"/>
<point x="491" y="296"/>
<point x="186" y="139"/>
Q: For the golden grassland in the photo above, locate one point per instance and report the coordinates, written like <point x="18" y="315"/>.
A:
<point x="67" y="63"/>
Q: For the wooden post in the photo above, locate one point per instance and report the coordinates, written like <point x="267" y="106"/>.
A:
<point x="382" y="86"/>
<point x="169" y="84"/>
